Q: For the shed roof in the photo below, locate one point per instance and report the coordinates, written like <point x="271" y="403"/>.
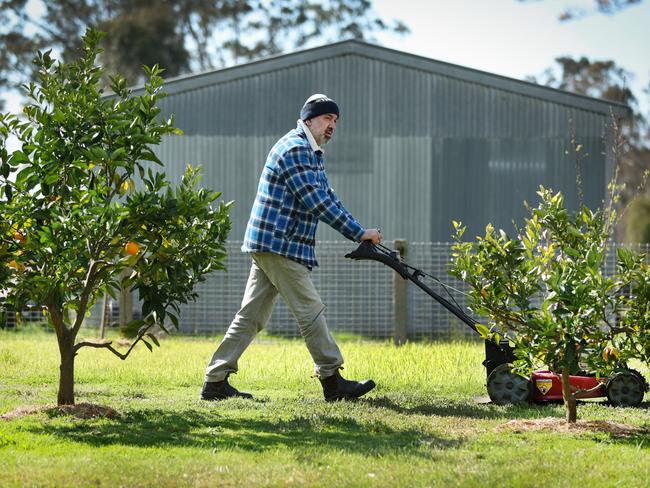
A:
<point x="354" y="47"/>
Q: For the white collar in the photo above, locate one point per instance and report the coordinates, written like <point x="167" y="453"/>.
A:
<point x="312" y="142"/>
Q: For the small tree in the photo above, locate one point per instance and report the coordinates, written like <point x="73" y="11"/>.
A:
<point x="72" y="221"/>
<point x="547" y="286"/>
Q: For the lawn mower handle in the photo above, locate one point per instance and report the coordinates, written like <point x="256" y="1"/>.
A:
<point x="368" y="251"/>
<point x="496" y="352"/>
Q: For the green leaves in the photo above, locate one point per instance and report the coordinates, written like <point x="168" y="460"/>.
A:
<point x="627" y="259"/>
<point x="17" y="158"/>
<point x="184" y="238"/>
<point x="548" y="286"/>
<point x="70" y="195"/>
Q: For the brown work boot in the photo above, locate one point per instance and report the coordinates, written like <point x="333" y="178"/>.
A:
<point x="336" y="387"/>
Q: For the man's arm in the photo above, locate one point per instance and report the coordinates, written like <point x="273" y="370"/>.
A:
<point x="302" y="182"/>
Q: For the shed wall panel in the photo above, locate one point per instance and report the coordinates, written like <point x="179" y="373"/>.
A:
<point x="414" y="149"/>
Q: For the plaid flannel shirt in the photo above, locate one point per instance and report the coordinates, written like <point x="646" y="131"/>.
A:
<point x="292" y="196"/>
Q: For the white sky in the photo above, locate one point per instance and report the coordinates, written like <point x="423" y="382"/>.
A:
<point x="516" y="39"/>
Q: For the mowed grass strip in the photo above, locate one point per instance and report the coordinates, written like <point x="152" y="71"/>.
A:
<point x="421" y="426"/>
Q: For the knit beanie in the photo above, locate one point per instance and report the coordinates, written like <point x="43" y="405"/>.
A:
<point x="318" y="104"/>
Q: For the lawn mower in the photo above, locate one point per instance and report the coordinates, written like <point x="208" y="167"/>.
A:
<point x="624" y="388"/>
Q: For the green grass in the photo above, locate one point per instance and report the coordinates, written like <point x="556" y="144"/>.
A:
<point x="421" y="426"/>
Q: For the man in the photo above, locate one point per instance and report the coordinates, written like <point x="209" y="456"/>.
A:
<point x="292" y="196"/>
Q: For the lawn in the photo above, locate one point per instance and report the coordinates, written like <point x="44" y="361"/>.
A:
<point x="424" y="424"/>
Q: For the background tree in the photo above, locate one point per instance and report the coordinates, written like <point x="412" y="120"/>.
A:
<point x="598" y="79"/>
<point x="546" y="289"/>
<point x="606" y="7"/>
<point x="178" y="35"/>
<point x="72" y="221"/>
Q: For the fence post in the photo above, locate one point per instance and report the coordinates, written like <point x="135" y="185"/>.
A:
<point x="104" y="319"/>
<point x="400" y="299"/>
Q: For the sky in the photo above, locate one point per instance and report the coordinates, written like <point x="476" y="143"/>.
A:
<point x="517" y="39"/>
<point x="513" y="38"/>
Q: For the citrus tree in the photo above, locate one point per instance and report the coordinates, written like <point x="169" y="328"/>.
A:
<point x="73" y="223"/>
<point x="547" y="290"/>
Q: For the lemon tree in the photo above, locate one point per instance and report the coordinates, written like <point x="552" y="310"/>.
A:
<point x="547" y="287"/>
<point x="72" y="219"/>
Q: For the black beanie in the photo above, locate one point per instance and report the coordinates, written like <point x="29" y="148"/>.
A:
<point x="318" y="104"/>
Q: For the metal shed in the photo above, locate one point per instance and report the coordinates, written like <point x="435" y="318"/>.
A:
<point x="420" y="143"/>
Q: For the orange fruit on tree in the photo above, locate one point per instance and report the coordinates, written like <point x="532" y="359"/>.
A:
<point x="610" y="351"/>
<point x="16" y="265"/>
<point x="132" y="248"/>
<point x="19" y="237"/>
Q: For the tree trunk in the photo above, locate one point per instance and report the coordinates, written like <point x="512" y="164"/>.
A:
<point x="66" y="378"/>
<point x="569" y="398"/>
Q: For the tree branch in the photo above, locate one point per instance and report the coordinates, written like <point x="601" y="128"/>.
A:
<point x="57" y="319"/>
<point x="107" y="345"/>
<point x="83" y="300"/>
<point x="103" y="345"/>
<point x="579" y="391"/>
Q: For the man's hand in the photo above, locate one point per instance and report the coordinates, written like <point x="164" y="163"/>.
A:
<point x="373" y="235"/>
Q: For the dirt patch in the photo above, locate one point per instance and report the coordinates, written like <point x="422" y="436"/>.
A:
<point x="581" y="426"/>
<point x="82" y="411"/>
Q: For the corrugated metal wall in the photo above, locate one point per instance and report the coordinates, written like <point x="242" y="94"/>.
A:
<point x="414" y="149"/>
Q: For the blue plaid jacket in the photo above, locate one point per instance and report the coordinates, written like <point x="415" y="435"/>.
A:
<point x="292" y="196"/>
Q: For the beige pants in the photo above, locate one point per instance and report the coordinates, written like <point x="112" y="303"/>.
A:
<point x="271" y="275"/>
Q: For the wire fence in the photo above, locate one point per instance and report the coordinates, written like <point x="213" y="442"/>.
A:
<point x="359" y="295"/>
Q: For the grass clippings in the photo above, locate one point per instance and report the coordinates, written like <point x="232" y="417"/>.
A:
<point x="82" y="411"/>
<point x="615" y="429"/>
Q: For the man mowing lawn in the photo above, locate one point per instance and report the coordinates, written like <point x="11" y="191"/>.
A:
<point x="292" y="196"/>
